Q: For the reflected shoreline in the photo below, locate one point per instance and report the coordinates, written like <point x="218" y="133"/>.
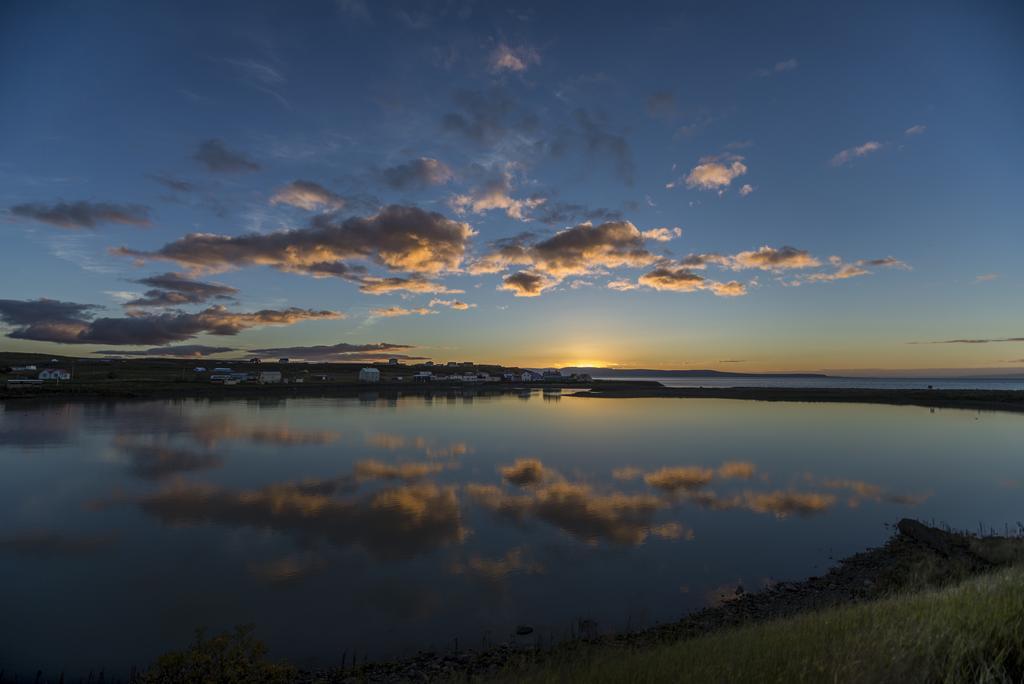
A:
<point x="984" y="400"/>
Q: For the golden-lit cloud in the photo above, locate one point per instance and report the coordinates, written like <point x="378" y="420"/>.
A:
<point x="307" y="195"/>
<point x="400" y="238"/>
<point x="505" y="57"/>
<point x="525" y="471"/>
<point x="396" y="311"/>
<point x="682" y="279"/>
<point x="713" y="173"/>
<point x="377" y="470"/>
<point x="851" y="153"/>
<point x="495" y="569"/>
<point x="673" y="479"/>
<point x="575" y="508"/>
<point x="526" y="284"/>
<point x="662" y="234"/>
<point x="393" y="523"/>
<point x="743" y="470"/>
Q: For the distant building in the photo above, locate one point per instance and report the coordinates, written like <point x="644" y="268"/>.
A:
<point x="508" y="377"/>
<point x="423" y="376"/>
<point x="369" y="375"/>
<point x="428" y="363"/>
<point x="54" y="374"/>
<point x="392" y="362"/>
<point x="453" y="363"/>
<point x="270" y="377"/>
<point x="285" y="360"/>
<point x="223" y="370"/>
<point x="531" y="376"/>
<point x="199" y="369"/>
<point x="255" y="360"/>
<point x="23" y="368"/>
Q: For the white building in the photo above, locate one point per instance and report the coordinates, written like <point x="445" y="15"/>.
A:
<point x="270" y="377"/>
<point x="369" y="375"/>
<point x="54" y="374"/>
<point x="423" y="376"/>
<point x="531" y="376"/>
<point x="199" y="369"/>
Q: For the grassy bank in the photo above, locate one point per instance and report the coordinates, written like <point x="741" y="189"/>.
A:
<point x="969" y="632"/>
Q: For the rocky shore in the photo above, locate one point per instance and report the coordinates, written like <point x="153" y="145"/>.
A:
<point x="915" y="557"/>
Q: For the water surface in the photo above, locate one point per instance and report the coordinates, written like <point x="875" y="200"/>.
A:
<point x="387" y="526"/>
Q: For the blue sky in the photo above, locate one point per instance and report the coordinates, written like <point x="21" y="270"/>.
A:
<point x="525" y="150"/>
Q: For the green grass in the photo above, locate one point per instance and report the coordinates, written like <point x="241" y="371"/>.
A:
<point x="969" y="632"/>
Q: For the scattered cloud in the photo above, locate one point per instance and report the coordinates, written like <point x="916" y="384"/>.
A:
<point x="661" y="105"/>
<point x="495" y="193"/>
<point x="398" y="237"/>
<point x="217" y="158"/>
<point x="415" y="285"/>
<point x="985" y="277"/>
<point x="452" y="304"/>
<point x="341" y="351"/>
<point x="773" y="259"/>
<point x="48" y="320"/>
<point x="526" y="284"/>
<point x="779" y="67"/>
<point x="516" y="59"/>
<point x="490" y="118"/>
<point x="662" y="234"/>
<point x="307" y="195"/>
<point x="83" y="214"/>
<point x="622" y="285"/>
<point x="982" y="340"/>
<point x="713" y="173"/>
<point x="916" y="130"/>
<point x="851" y="153"/>
<point x="600" y="142"/>
<point x="174" y="289"/>
<point x="181" y="351"/>
<point x="666" y="278"/>
<point x="673" y="479"/>
<point x="396" y="311"/>
<point x="172" y="183"/>
<point x="525" y="471"/>
<point x="746" y="190"/>
<point x="562" y="213"/>
<point x="417" y="173"/>
<point x="579" y="250"/>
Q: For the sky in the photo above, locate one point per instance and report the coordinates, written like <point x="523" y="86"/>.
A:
<point x="742" y="186"/>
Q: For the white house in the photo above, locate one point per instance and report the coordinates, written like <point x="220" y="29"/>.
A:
<point x="270" y="377"/>
<point x="54" y="374"/>
<point x="423" y="376"/>
<point x="531" y="376"/>
<point x="369" y="375"/>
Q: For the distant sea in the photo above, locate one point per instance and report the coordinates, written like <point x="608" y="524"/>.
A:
<point x="832" y="382"/>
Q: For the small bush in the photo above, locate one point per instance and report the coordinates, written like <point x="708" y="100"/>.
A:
<point x="229" y="658"/>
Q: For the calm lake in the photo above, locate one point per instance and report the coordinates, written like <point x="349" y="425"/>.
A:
<point x="387" y="526"/>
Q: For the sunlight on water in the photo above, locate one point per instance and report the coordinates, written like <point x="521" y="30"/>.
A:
<point x="387" y="526"/>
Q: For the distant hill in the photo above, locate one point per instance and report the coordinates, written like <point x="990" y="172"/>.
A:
<point x="651" y="373"/>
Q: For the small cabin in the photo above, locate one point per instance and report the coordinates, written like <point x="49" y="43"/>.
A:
<point x="369" y="375"/>
<point x="54" y="374"/>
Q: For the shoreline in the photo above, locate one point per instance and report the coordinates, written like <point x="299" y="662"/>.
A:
<point x="980" y="399"/>
<point x="916" y="557"/>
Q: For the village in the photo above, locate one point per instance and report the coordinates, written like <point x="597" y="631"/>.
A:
<point x="24" y="375"/>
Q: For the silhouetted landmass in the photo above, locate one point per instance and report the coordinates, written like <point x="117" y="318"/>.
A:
<point x="654" y="373"/>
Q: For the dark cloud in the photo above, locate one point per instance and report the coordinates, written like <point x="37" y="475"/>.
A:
<point x="173" y="183"/>
<point x="400" y="238"/>
<point x="526" y="284"/>
<point x="64" y="322"/>
<point x="159" y="461"/>
<point x="173" y="289"/>
<point x="181" y="350"/>
<point x="332" y="352"/>
<point x="667" y="278"/>
<point x="982" y="340"/>
<point x="218" y="158"/>
<point x="396" y="523"/>
<point x="489" y="118"/>
<point x="83" y="214"/>
<point x="601" y="143"/>
<point x="661" y="105"/>
<point x="577" y="509"/>
<point x="562" y="213"/>
<point x="525" y="471"/>
<point x="581" y="249"/>
<point x="416" y="173"/>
